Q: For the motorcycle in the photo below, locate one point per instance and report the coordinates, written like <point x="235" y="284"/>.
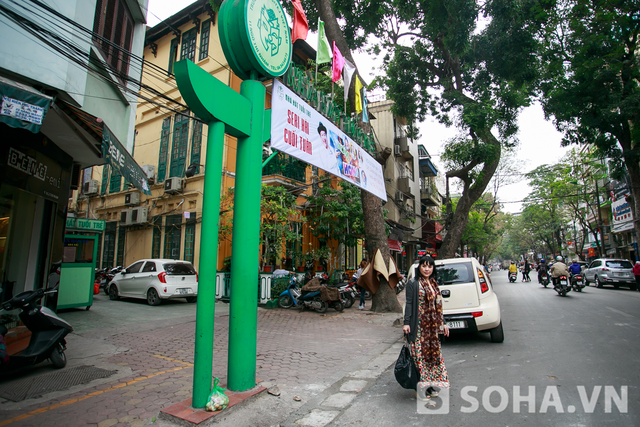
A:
<point x="295" y="296"/>
<point x="577" y="282"/>
<point x="544" y="279"/>
<point x="47" y="331"/>
<point x="348" y="293"/>
<point x="107" y="276"/>
<point x="513" y="276"/>
<point x="561" y="285"/>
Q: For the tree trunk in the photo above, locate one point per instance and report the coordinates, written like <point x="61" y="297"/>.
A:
<point x="385" y="299"/>
<point x="634" y="178"/>
<point x="471" y="193"/>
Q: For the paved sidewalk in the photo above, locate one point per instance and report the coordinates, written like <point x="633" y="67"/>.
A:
<point x="309" y="357"/>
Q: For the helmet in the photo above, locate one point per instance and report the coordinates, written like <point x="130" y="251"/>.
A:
<point x="542" y="260"/>
<point x="559" y="258"/>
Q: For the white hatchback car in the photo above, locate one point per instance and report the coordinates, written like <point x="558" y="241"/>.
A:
<point x="156" y="280"/>
<point x="469" y="303"/>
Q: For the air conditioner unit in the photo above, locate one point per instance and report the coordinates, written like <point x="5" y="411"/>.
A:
<point x="150" y="172"/>
<point x="139" y="215"/>
<point x="90" y="187"/>
<point x="125" y="216"/>
<point x="399" y="196"/>
<point x="173" y="185"/>
<point x="132" y="199"/>
<point x="396" y="150"/>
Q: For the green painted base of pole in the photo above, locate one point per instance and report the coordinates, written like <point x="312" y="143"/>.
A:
<point x="243" y="306"/>
<point x="205" y="309"/>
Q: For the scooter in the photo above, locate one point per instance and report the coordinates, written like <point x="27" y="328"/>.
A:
<point x="561" y="285"/>
<point x="294" y="296"/>
<point x="513" y="276"/>
<point x="107" y="277"/>
<point x="47" y="331"/>
<point x="577" y="282"/>
<point x="544" y="279"/>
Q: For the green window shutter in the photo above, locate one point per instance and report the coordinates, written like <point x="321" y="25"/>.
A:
<point x="190" y="238"/>
<point x="179" y="146"/>
<point x="196" y="143"/>
<point x="164" y="148"/>
<point x="205" y="32"/>
<point x="188" y="48"/>
<point x="122" y="232"/>
<point x="157" y="236"/>
<point x="172" y="234"/>
<point x="105" y="179"/>
<point x="173" y="54"/>
<point x="115" y="182"/>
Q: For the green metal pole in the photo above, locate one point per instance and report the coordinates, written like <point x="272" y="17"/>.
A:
<point x="205" y="309"/>
<point x="243" y="306"/>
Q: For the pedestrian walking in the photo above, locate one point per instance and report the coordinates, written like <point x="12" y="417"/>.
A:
<point x="423" y="322"/>
<point x="636" y="272"/>
<point x="356" y="275"/>
<point x="525" y="271"/>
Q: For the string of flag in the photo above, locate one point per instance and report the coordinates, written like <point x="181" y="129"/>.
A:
<point x="341" y="67"/>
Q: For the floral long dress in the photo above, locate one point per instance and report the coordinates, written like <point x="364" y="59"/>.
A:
<point x="425" y="350"/>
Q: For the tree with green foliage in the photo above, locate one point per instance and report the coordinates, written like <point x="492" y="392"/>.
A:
<point x="591" y="81"/>
<point x="335" y="218"/>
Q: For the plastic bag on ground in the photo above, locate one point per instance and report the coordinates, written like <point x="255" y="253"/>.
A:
<point x="217" y="399"/>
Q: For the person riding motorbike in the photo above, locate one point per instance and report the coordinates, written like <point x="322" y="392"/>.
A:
<point x="558" y="269"/>
<point x="512" y="269"/>
<point x="542" y="269"/>
<point x="575" y="268"/>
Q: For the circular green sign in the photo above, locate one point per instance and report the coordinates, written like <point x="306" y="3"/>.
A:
<point x="255" y="37"/>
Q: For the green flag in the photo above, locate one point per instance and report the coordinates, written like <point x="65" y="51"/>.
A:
<point x="324" y="53"/>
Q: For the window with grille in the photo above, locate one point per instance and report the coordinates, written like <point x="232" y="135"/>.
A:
<point x="205" y="32"/>
<point x="113" y="33"/>
<point x="190" y="238"/>
<point x="188" y="48"/>
<point x="164" y="149"/>
<point x="179" y="146"/>
<point x="196" y="143"/>
<point x="122" y="232"/>
<point x="173" y="55"/>
<point x="157" y="236"/>
<point x="109" y="244"/>
<point x="172" y="234"/>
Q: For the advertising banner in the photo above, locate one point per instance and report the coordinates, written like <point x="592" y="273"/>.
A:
<point x="302" y="132"/>
<point x="622" y="216"/>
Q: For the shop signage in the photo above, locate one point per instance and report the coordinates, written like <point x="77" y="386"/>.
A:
<point x="255" y="38"/>
<point x="96" y="225"/>
<point x="39" y="174"/>
<point x="622" y="216"/>
<point x="21" y="106"/>
<point x="120" y="159"/>
<point x="302" y="132"/>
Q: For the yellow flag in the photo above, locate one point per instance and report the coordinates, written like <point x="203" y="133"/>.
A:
<point x="358" y="96"/>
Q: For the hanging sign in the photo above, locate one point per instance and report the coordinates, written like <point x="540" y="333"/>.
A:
<point x="302" y="132"/>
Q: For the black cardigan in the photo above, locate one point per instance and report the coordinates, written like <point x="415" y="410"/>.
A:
<point x="411" y="309"/>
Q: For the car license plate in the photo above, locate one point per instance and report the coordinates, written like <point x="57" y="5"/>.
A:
<point x="183" y="291"/>
<point x="459" y="324"/>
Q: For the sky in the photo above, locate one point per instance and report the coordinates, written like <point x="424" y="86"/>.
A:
<point x="539" y="141"/>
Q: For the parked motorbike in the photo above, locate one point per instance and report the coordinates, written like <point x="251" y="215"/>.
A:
<point x="295" y="296"/>
<point x="47" y="331"/>
<point x="577" y="282"/>
<point x="544" y="279"/>
<point x="561" y="285"/>
<point x="348" y="293"/>
<point x="513" y="276"/>
<point x="400" y="286"/>
<point x="107" y="276"/>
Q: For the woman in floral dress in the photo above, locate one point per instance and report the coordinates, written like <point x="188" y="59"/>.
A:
<point x="423" y="321"/>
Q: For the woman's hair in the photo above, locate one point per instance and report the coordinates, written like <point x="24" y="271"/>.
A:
<point x="364" y="263"/>
<point x="426" y="259"/>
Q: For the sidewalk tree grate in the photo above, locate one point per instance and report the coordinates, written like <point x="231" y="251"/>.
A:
<point x="27" y="388"/>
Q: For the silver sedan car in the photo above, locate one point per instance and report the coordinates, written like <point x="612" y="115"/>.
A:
<point x="610" y="271"/>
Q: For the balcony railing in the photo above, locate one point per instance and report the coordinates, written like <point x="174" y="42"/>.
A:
<point x="286" y="166"/>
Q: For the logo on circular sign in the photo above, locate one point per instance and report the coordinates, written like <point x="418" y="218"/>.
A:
<point x="269" y="36"/>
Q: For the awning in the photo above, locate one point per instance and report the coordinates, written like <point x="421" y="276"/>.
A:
<point x="22" y="107"/>
<point x="394" y="245"/>
<point x="120" y="159"/>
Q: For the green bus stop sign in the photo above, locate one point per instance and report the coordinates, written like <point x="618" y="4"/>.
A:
<point x="255" y="37"/>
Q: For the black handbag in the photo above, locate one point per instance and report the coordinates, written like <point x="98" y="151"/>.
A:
<point x="405" y="370"/>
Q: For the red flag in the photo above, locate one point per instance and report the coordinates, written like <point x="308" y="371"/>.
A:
<point x="300" y="23"/>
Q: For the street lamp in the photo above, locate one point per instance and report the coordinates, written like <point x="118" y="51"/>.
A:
<point x="192" y="169"/>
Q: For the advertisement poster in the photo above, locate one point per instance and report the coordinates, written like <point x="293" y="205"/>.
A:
<point x="300" y="131"/>
<point x="622" y="216"/>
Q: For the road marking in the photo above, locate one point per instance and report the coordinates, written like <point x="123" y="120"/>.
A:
<point x="96" y="393"/>
<point x="620" y="312"/>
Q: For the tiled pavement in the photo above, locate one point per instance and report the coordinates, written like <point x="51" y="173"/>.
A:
<point x="300" y="352"/>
